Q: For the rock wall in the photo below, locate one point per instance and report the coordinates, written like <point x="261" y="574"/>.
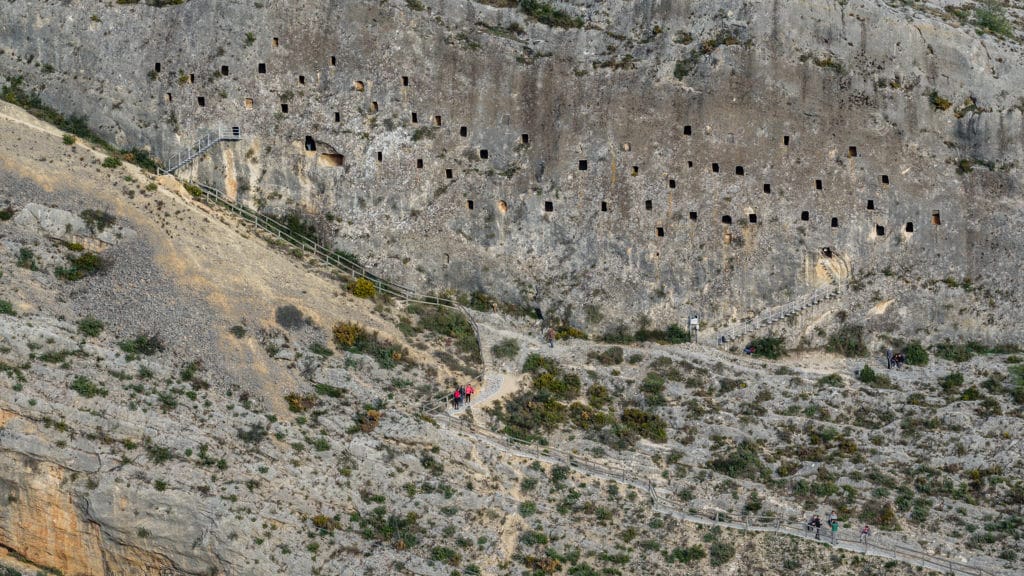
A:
<point x="663" y="159"/>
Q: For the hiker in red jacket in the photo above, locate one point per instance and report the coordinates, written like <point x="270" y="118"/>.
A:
<point x="456" y="399"/>
<point x="469" y="393"/>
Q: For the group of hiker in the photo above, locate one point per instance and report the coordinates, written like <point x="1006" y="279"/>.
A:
<point x="814" y="523"/>
<point x="462" y="396"/>
<point x="894" y="360"/>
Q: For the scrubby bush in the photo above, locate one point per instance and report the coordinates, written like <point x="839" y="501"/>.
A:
<point x="86" y="264"/>
<point x="90" y="326"/>
<point x="550" y="15"/>
<point x="451" y="323"/>
<point x="111" y="162"/>
<point x="69" y="139"/>
<point x="880" y="514"/>
<point x="507" y="348"/>
<point x="289" y="317"/>
<point x="87" y="388"/>
<point x="848" y="341"/>
<point x="867" y="375"/>
<point x="145" y="344"/>
<point x="990" y="16"/>
<point x="351" y="337"/>
<point x="648" y="425"/>
<point x="743" y="461"/>
<point x="916" y="354"/>
<point x="7" y="308"/>
<point x="686" y="555"/>
<point x="720" y="552"/>
<point x="767" y="347"/>
<point x="299" y="402"/>
<point x="608" y="356"/>
<point x="362" y="288"/>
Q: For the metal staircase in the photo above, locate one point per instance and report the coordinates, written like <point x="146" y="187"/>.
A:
<point x="205" y="143"/>
<point x="792" y="308"/>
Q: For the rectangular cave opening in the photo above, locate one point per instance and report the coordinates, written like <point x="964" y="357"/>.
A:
<point x="415" y="118"/>
<point x="374" y="107"/>
<point x="660" y="232"/>
<point x="224" y="70"/>
<point x="169" y="97"/>
<point x="247" y="103"/>
<point x="191" y="78"/>
<point x="687" y="130"/>
<point x="437" y="121"/>
<point x="885" y="179"/>
<point x="448" y="173"/>
<point x="739" y="171"/>
<point x="274" y="42"/>
<point x="936" y="219"/>
<point x="334" y="61"/>
<point x="310" y="144"/>
<point x="156" y="67"/>
<point x="463" y="131"/>
<point x="201" y="101"/>
<point x="524" y="139"/>
<point x="852" y="152"/>
<point x="549" y="206"/>
<point x="583" y="165"/>
<point x="636" y="171"/>
<point x="484" y="154"/>
<point x="284" y="108"/>
<point x="302" y="79"/>
<point x="835" y="222"/>
<point x="604" y="206"/>
<point x="871" y="204"/>
<point x="648" y="205"/>
<point x="337" y="116"/>
<point x="261" y="68"/>
<point x="714" y="167"/>
<point x="405" y="80"/>
<point x="879" y="230"/>
<point x="785" y="140"/>
<point x="693" y="216"/>
<point x="671" y="183"/>
<point x="767" y="188"/>
<point x="752" y="218"/>
<point x="689" y="163"/>
<point x="726" y="219"/>
<point x="419" y="163"/>
<point x="817" y="185"/>
<point x="380" y="156"/>
<point x="909" y="227"/>
<point x="805" y="215"/>
<point x="469" y="204"/>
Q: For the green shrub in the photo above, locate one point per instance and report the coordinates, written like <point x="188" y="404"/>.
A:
<point x="7" y="308"/>
<point x="916" y="354"/>
<point x="645" y="424"/>
<point x="90" y="326"/>
<point x="86" y="264"/>
<point x="743" y="461"/>
<point x="535" y="363"/>
<point x="6" y="213"/>
<point x="990" y="16"/>
<point x="720" y="552"/>
<point x="867" y="375"/>
<point x="69" y="139"/>
<point x="880" y="514"/>
<point x="848" y="341"/>
<point x="767" y="347"/>
<point x="953" y="352"/>
<point x="238" y="331"/>
<point x="507" y="348"/>
<point x="547" y="14"/>
<point x="362" y="288"/>
<point x="686" y="555"/>
<point x="145" y="344"/>
<point x="111" y="162"/>
<point x="938" y="102"/>
<point x="87" y="388"/>
<point x="527" y="509"/>
<point x="451" y="323"/>
<point x="951" y="382"/>
<point x="351" y="337"/>
<point x="608" y="356"/>
<point x="402" y="532"/>
<point x="446" y="555"/>
<point x="598" y="396"/>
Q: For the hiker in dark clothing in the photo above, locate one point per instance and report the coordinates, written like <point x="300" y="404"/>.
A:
<point x="816" y="522"/>
<point x="462" y="395"/>
<point x="888" y="358"/>
<point x="456" y="398"/>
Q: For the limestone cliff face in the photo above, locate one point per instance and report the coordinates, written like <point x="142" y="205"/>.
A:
<point x="665" y="158"/>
